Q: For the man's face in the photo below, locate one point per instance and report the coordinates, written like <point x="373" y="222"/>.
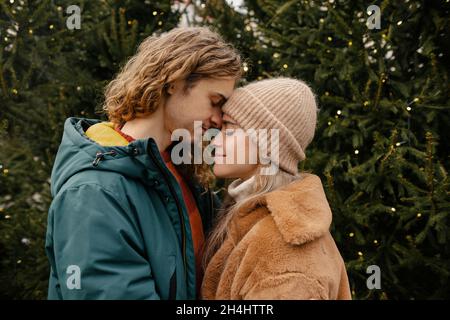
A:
<point x="202" y="102"/>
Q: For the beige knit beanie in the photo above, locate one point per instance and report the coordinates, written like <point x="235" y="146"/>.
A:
<point x="285" y="104"/>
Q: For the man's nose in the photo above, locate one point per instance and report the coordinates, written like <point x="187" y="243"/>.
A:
<point x="216" y="118"/>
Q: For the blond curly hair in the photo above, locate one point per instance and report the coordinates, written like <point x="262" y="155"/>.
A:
<point x="184" y="53"/>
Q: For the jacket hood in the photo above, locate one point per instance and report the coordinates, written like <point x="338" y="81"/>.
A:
<point x="79" y="152"/>
<point x="300" y="209"/>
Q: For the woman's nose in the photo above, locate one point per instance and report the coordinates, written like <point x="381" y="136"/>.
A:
<point x="217" y="141"/>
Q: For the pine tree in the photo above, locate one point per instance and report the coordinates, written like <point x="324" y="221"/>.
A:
<point x="49" y="72"/>
<point x="381" y="146"/>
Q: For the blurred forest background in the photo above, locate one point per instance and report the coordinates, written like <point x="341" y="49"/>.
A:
<point x="381" y="145"/>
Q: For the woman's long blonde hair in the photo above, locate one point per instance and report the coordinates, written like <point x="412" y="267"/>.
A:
<point x="262" y="185"/>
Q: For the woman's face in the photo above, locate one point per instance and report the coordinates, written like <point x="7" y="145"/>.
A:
<point x="235" y="153"/>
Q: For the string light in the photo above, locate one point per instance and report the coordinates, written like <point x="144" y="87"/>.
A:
<point x="419" y="215"/>
<point x="5" y="171"/>
<point x="50" y="27"/>
<point x="366" y="103"/>
<point x="338" y="112"/>
<point x="30" y="31"/>
<point x="329" y="123"/>
<point x="360" y="253"/>
<point x="393" y="209"/>
<point x="330" y="39"/>
<point x="14" y="91"/>
<point x="356" y="151"/>
<point x="285" y="66"/>
<point x="351" y="234"/>
<point x="276" y="55"/>
<point x="375" y="241"/>
<point x="155" y="13"/>
<point x="160" y="23"/>
<point x="350" y="43"/>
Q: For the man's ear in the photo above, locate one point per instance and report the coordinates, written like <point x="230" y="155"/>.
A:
<point x="170" y="88"/>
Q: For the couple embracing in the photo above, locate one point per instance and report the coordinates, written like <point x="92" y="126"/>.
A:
<point x="128" y="222"/>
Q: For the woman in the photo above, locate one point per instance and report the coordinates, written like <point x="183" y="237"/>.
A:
<point x="274" y="242"/>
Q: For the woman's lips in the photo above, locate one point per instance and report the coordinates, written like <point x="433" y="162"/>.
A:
<point x="219" y="155"/>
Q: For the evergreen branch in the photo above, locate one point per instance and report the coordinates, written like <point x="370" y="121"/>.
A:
<point x="430" y="170"/>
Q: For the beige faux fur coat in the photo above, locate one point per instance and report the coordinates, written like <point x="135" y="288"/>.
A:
<point x="280" y="249"/>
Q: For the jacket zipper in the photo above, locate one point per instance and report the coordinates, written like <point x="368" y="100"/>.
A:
<point x="180" y="212"/>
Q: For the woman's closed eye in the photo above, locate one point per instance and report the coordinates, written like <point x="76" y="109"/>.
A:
<point x="229" y="132"/>
<point x="230" y="128"/>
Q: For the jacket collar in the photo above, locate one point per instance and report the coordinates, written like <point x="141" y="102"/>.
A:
<point x="300" y="209"/>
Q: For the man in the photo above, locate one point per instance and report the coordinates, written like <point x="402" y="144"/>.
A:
<point x="125" y="222"/>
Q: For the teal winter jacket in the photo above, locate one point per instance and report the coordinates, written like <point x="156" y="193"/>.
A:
<point x="118" y="227"/>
